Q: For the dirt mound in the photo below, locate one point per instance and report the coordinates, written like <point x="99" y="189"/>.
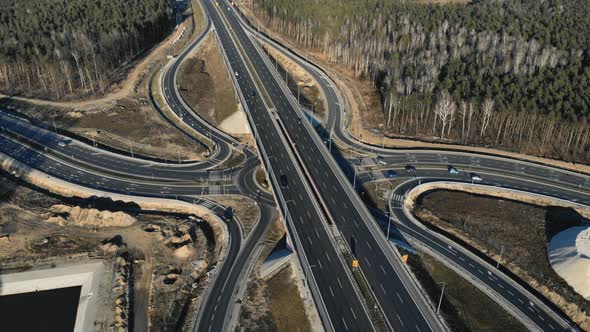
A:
<point x="183" y="252"/>
<point x="66" y="215"/>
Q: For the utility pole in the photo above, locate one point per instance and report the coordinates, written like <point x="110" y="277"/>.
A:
<point x="441" y="297"/>
<point x="354" y="180"/>
<point x="54" y="126"/>
<point x="499" y="259"/>
<point x="298" y="87"/>
<point x="131" y="150"/>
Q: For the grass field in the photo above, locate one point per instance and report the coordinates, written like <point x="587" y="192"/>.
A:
<point x="518" y="230"/>
<point x="464" y="306"/>
<point x="205" y="85"/>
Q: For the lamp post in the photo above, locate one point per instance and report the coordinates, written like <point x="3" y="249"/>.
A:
<point x="441" y="297"/>
<point x="499" y="259"/>
<point x="54" y="126"/>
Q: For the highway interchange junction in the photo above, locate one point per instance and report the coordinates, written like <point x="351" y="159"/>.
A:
<point x="314" y="189"/>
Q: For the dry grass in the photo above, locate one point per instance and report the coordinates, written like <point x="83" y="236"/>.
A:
<point x="375" y="194"/>
<point x="129" y="121"/>
<point x="464" y="306"/>
<point x="286" y="304"/>
<point x="274" y="305"/>
<point x="261" y="178"/>
<point x="520" y="231"/>
<point x="244" y="208"/>
<point x="205" y="85"/>
<point x="444" y="2"/>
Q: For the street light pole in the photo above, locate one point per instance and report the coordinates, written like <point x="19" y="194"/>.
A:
<point x="499" y="259"/>
<point x="54" y="126"/>
<point x="441" y="297"/>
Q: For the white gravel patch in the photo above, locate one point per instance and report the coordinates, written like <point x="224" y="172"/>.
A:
<point x="236" y="124"/>
<point x="569" y="255"/>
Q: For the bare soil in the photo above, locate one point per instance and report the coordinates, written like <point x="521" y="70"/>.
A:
<point x="169" y="252"/>
<point x="129" y="124"/>
<point x="205" y="85"/>
<point x="244" y="208"/>
<point x="464" y="306"/>
<point x="275" y="304"/>
<point x="518" y="230"/>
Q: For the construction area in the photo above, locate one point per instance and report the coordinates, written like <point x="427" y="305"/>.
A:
<point x="153" y="266"/>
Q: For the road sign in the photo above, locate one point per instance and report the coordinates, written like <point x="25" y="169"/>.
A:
<point x="355" y="264"/>
<point x="405" y="258"/>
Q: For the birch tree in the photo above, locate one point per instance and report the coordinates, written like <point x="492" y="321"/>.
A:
<point x="444" y="109"/>
<point x="486" y="108"/>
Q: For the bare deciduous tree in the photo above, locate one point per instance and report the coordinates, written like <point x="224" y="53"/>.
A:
<point x="444" y="109"/>
<point x="486" y="108"/>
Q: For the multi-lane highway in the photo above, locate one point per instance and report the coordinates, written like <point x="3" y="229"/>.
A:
<point x="517" y="174"/>
<point x="311" y="189"/>
<point x="343" y="307"/>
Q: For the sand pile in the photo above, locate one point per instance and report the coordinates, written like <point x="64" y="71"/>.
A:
<point x="569" y="255"/>
<point x="77" y="216"/>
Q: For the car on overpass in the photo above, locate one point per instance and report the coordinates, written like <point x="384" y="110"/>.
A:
<point x="475" y="177"/>
<point x="283" y="181"/>
<point x="453" y="170"/>
<point x="410" y="168"/>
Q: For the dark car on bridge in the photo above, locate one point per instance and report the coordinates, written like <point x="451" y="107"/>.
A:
<point x="410" y="168"/>
<point x="283" y="181"/>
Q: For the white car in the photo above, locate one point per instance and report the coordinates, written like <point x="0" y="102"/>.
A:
<point x="236" y="73"/>
<point x="475" y="177"/>
<point x="62" y="144"/>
